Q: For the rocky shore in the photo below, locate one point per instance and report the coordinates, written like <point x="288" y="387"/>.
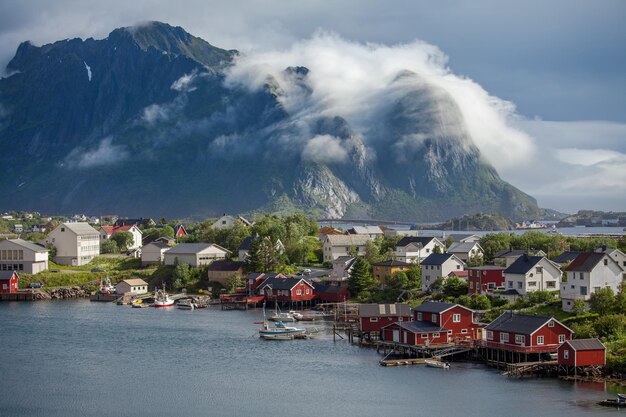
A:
<point x="68" y="293"/>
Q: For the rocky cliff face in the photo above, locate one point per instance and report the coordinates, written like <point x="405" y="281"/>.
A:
<point x="143" y="122"/>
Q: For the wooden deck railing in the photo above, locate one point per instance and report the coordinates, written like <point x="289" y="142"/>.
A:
<point x="517" y="348"/>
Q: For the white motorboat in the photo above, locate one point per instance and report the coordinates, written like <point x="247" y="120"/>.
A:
<point x="162" y="299"/>
<point x="186" y="304"/>
<point x="437" y="364"/>
<point x="280" y="332"/>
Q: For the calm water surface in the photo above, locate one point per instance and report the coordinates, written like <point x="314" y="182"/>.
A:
<point x="76" y="358"/>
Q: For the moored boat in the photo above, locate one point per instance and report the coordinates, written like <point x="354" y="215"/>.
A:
<point x="280" y="332"/>
<point x="282" y="317"/>
<point x="437" y="364"/>
<point x="186" y="304"/>
<point x="162" y="299"/>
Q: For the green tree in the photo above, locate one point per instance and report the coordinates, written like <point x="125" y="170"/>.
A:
<point x="437" y="249"/>
<point x="437" y="285"/>
<point x="233" y="282"/>
<point x="454" y="287"/>
<point x="361" y="278"/>
<point x="493" y="243"/>
<point x="579" y="307"/>
<point x="611" y="326"/>
<point x="602" y="301"/>
<point x="52" y="251"/>
<point x="481" y="302"/>
<point x="123" y="240"/>
<point x="414" y="274"/>
<point x="398" y="280"/>
<point x="181" y="276"/>
<point x="108" y="246"/>
<point x="264" y="255"/>
<point x="372" y="252"/>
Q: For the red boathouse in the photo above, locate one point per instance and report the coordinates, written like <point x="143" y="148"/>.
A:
<point x="10" y="284"/>
<point x="582" y="353"/>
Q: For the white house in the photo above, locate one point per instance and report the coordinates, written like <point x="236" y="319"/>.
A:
<point x="132" y="286"/>
<point x="154" y="253"/>
<point x="341" y="245"/>
<point x="415" y="248"/>
<point x="227" y="221"/>
<point x="467" y="251"/>
<point x="76" y="243"/>
<point x="244" y="248"/>
<point x="342" y="268"/>
<point x="107" y="231"/>
<point x="462" y="238"/>
<point x="588" y="273"/>
<point x="22" y="256"/>
<point x="532" y="273"/>
<point x="617" y="255"/>
<point x="439" y="265"/>
<point x="195" y="254"/>
<point x="508" y="256"/>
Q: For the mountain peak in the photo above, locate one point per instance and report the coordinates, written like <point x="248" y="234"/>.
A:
<point x="176" y="41"/>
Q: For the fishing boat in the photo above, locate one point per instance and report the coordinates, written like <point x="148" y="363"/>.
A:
<point x="186" y="304"/>
<point x="280" y="332"/>
<point x="162" y="299"/>
<point x="437" y="364"/>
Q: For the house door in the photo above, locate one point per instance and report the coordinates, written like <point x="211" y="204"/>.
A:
<point x="405" y="338"/>
<point x="396" y="336"/>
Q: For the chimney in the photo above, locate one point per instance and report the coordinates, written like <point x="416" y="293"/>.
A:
<point x="525" y="257"/>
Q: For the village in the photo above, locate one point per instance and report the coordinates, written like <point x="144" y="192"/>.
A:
<point x="417" y="299"/>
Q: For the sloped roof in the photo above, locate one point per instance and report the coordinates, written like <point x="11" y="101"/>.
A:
<point x="185" y="248"/>
<point x="486" y="268"/>
<point x="419" y="326"/>
<point x="246" y="243"/>
<point x="109" y="230"/>
<point x="586" y="344"/>
<point x="567" y="256"/>
<point x="348" y="240"/>
<point x="326" y="230"/>
<point x="586" y="261"/>
<point x="509" y="253"/>
<point x="462" y="247"/>
<point x="365" y="230"/>
<point x="424" y="240"/>
<point x="374" y="310"/>
<point x="28" y="245"/>
<point x="457" y="237"/>
<point x="518" y="323"/>
<point x="391" y="263"/>
<point x="433" y="307"/>
<point x="225" y="265"/>
<point x="278" y="283"/>
<point x="523" y="264"/>
<point x="437" y="258"/>
<point x="460" y="274"/>
<point x="80" y="228"/>
<point x="135" y="281"/>
<point x="160" y="245"/>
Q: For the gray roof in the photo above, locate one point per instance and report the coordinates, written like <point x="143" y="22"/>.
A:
<point x="348" y="240"/>
<point x="462" y="247"/>
<point x="509" y="253"/>
<point x="159" y="245"/>
<point x="438" y="258"/>
<point x="419" y="326"/>
<point x="81" y="228"/>
<point x="523" y="264"/>
<point x="373" y="310"/>
<point x="367" y="230"/>
<point x="568" y="256"/>
<point x="518" y="323"/>
<point x="459" y="237"/>
<point x="586" y="344"/>
<point x="433" y="307"/>
<point x="29" y="245"/>
<point x="184" y="248"/>
<point x="405" y="241"/>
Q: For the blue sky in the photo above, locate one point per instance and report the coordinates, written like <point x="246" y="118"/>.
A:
<point x="561" y="63"/>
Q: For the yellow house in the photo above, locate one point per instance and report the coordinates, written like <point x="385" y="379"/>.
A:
<point x="382" y="270"/>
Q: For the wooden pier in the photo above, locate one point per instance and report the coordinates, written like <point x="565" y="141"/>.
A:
<point x="24" y="295"/>
<point x="401" y="362"/>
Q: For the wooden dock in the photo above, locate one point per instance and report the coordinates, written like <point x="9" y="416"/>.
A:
<point x="25" y="295"/>
<point x="401" y="362"/>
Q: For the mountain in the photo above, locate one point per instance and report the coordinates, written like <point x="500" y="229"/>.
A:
<point x="146" y="122"/>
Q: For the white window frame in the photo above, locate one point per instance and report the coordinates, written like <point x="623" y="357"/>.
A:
<point x="434" y="317"/>
<point x="298" y="292"/>
<point x="540" y="340"/>
<point x="373" y="319"/>
<point x="456" y="318"/>
<point x="419" y="316"/>
<point x="436" y="335"/>
<point x="566" y="354"/>
<point x="561" y="338"/>
<point x="504" y="337"/>
<point x="551" y="323"/>
<point x="424" y="335"/>
<point x="489" y="335"/>
<point x="520" y="339"/>
<point x="463" y="331"/>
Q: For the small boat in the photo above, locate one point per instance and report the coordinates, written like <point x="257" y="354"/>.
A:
<point x="619" y="403"/>
<point x="186" y="304"/>
<point x="162" y="299"/>
<point x="282" y="317"/>
<point x="136" y="302"/>
<point x="296" y="315"/>
<point x="437" y="364"/>
<point x="280" y="332"/>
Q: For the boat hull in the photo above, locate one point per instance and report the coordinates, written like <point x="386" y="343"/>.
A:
<point x="163" y="304"/>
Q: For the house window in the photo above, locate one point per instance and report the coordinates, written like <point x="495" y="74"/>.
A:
<point x="491" y="285"/>
<point x="307" y="291"/>
<point x="510" y="284"/>
<point x="566" y="354"/>
<point x="435" y="335"/>
<point x="539" y="269"/>
<point x="419" y="316"/>
<point x="520" y="339"/>
<point x="471" y="285"/>
<point x="561" y="338"/>
<point x="298" y="292"/>
<point x="373" y="319"/>
<point x="551" y="284"/>
<point x="424" y="335"/>
<point x="520" y="285"/>
<point x="504" y="338"/>
<point x="583" y="290"/>
<point x="458" y="267"/>
<point x="582" y="275"/>
<point x="540" y="340"/>
<point x="434" y="318"/>
<point x="456" y="318"/>
<point x="551" y="324"/>
<point x="463" y="331"/>
<point x="532" y="283"/>
<point x="489" y="335"/>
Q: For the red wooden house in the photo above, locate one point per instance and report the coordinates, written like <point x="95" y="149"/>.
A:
<point x="582" y="352"/>
<point x="526" y="334"/>
<point x="373" y="317"/>
<point x="331" y="293"/>
<point x="456" y="319"/>
<point x="180" y="231"/>
<point x="485" y="279"/>
<point x="255" y="279"/>
<point x="9" y="284"/>
<point x="286" y="290"/>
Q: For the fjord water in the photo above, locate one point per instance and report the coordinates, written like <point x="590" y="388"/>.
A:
<point x="76" y="358"/>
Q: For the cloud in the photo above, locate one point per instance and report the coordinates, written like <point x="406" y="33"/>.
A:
<point x="184" y="83"/>
<point x="324" y="149"/>
<point x="358" y="81"/>
<point x="104" y="154"/>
